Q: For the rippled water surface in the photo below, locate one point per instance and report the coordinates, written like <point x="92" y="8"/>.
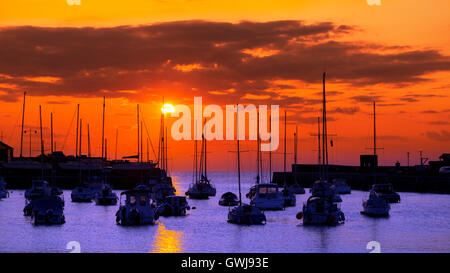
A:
<point x="420" y="223"/>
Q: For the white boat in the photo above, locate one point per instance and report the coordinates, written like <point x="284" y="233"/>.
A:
<point x="174" y="206"/>
<point x="136" y="209"/>
<point x="387" y="192"/>
<point x="266" y="196"/>
<point x="375" y="206"/>
<point x="3" y="191"/>
<point x="106" y="198"/>
<point x="48" y="210"/>
<point x="244" y="214"/>
<point x="320" y="210"/>
<point x="82" y="193"/>
<point x="341" y="186"/>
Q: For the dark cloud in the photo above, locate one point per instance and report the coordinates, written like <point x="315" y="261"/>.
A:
<point x="200" y="57"/>
<point x="345" y="110"/>
<point x="364" y="98"/>
<point x="439" y="122"/>
<point x="443" y="135"/>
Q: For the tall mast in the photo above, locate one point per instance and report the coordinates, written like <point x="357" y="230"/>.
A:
<point x="163" y="115"/>
<point x="165" y="156"/>
<point x="374" y="131"/>
<point x="78" y="124"/>
<point x="89" y="141"/>
<point x="23" y="118"/>
<point x="374" y="145"/>
<point x="51" y="132"/>
<point x="30" y="142"/>
<point x="285" y="140"/>
<point x="270" y="152"/>
<point x="138" y="134"/>
<point x="148" y="159"/>
<point x="142" y="140"/>
<point x="318" y="141"/>
<point x="324" y="132"/>
<point x="117" y="137"/>
<point x="295" y="154"/>
<point x="195" y="153"/>
<point x="257" y="151"/>
<point x="81" y="129"/>
<point x="106" y="149"/>
<point x="260" y="154"/>
<point x="40" y="122"/>
<point x="238" y="154"/>
<point x="103" y="129"/>
<point x="206" y="176"/>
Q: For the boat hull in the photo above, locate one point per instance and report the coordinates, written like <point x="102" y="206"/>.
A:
<point x="246" y="215"/>
<point x="135" y="217"/>
<point x="101" y="201"/>
<point x="268" y="204"/>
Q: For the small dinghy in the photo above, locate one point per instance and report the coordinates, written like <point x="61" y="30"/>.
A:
<point x="137" y="208"/>
<point x="48" y="210"/>
<point x="107" y="197"/>
<point x="228" y="199"/>
<point x="174" y="206"/>
<point x="375" y="206"/>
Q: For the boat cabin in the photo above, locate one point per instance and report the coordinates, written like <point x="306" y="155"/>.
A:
<point x="136" y="198"/>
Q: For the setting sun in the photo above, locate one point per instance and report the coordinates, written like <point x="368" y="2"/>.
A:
<point x="167" y="108"/>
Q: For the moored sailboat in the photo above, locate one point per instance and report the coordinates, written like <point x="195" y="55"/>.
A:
<point x="201" y="188"/>
<point x="243" y="213"/>
<point x="322" y="207"/>
<point x="265" y="196"/>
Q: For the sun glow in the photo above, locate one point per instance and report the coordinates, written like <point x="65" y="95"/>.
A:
<point x="168" y="108"/>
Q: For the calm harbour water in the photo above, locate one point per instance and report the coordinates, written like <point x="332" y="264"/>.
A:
<point x="420" y="223"/>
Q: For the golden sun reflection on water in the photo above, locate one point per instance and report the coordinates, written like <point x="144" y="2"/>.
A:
<point x="176" y="185"/>
<point x="167" y="241"/>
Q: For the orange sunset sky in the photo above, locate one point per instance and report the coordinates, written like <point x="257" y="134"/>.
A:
<point x="228" y="52"/>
